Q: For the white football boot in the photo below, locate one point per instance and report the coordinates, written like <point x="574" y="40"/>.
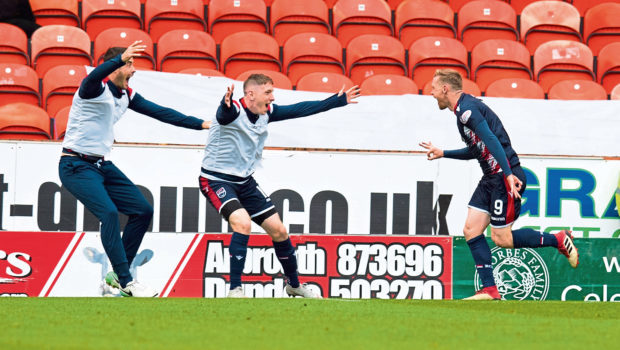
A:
<point x="301" y="291"/>
<point x="236" y="293"/>
<point x="136" y="289"/>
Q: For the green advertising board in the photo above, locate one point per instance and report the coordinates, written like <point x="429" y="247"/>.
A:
<point x="544" y="274"/>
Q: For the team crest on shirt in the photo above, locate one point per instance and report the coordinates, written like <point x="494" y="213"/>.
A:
<point x="221" y="192"/>
<point x="465" y="116"/>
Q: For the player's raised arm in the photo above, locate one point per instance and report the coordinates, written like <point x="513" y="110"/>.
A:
<point x="304" y="109"/>
<point x="432" y="152"/>
<point x="226" y="113"/>
<point x="352" y="94"/>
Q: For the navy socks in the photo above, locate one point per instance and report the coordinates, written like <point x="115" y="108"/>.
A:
<point x="238" y="250"/>
<point x="286" y="254"/>
<point x="528" y="238"/>
<point x="482" y="257"/>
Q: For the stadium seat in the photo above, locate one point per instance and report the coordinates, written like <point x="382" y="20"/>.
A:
<point x="608" y="66"/>
<point x="544" y="21"/>
<point x="355" y="17"/>
<point x="161" y="16"/>
<point x="18" y="83"/>
<point x="577" y="90"/>
<point x="63" y="12"/>
<point x="60" y="122"/>
<point x="54" y="45"/>
<point x="123" y="37"/>
<point x="14" y="45"/>
<point x="370" y="54"/>
<point x="601" y="26"/>
<point x="23" y="121"/>
<point x="311" y="52"/>
<point x="499" y="58"/>
<point x="98" y="15"/>
<point x="202" y="71"/>
<point x="469" y="86"/>
<point x="515" y="88"/>
<point x="561" y="60"/>
<point x="456" y="5"/>
<point x="280" y="80"/>
<point x="290" y="17"/>
<point x="519" y="5"/>
<point x="394" y="3"/>
<point x="324" y="82"/>
<point x="486" y="19"/>
<point x="615" y="93"/>
<point x="431" y="53"/>
<point x="231" y="16"/>
<point x="416" y="19"/>
<point x="584" y="5"/>
<point x="186" y="48"/>
<point x="249" y="50"/>
<point x="388" y="84"/>
<point x="59" y="85"/>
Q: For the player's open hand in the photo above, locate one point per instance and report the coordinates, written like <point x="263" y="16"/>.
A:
<point x="228" y="96"/>
<point x="432" y="152"/>
<point x="133" y="50"/>
<point x="352" y="93"/>
<point x="515" y="185"/>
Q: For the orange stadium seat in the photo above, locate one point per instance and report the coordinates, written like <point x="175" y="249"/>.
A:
<point x="59" y="85"/>
<point x="231" y="16"/>
<point x="615" y="93"/>
<point x="161" y="16"/>
<point x="63" y="12"/>
<point x="290" y="17"/>
<point x="18" y="83"/>
<point x="486" y="19"/>
<point x="577" y="90"/>
<point x="515" y="88"/>
<point x="202" y="71"/>
<point x="456" y="5"/>
<point x="60" y="122"/>
<point x="249" y="50"/>
<point x="98" y="15"/>
<point x="280" y="80"/>
<point x="469" y="86"/>
<point x="499" y="58"/>
<point x="431" y="53"/>
<point x="584" y="5"/>
<point x="14" y="45"/>
<point x="330" y="3"/>
<point x="561" y="60"/>
<point x="519" y="5"/>
<point x="311" y="52"/>
<point x="23" y="121"/>
<point x="123" y="37"/>
<point x="544" y="21"/>
<point x="601" y="26"/>
<point x="355" y="17"/>
<point x="608" y="66"/>
<point x="370" y="54"/>
<point x="324" y="82"/>
<point x="394" y="3"/>
<point x="388" y="84"/>
<point x="416" y="19"/>
<point x="186" y="48"/>
<point x="55" y="44"/>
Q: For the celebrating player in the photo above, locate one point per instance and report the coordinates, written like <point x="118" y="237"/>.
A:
<point x="497" y="199"/>
<point x="233" y="150"/>
<point x="101" y="100"/>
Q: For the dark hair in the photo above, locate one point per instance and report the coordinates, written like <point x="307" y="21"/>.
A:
<point x="113" y="52"/>
<point x="450" y="77"/>
<point x="256" y="79"/>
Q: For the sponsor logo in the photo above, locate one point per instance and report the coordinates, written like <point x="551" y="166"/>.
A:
<point x="221" y="192"/>
<point x="465" y="116"/>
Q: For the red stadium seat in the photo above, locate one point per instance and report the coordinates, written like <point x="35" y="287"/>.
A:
<point x="60" y="122"/>
<point x="388" y="84"/>
<point x="311" y="52"/>
<point x="23" y="121"/>
<point x="231" y="16"/>
<point x="185" y="48"/>
<point x="608" y="66"/>
<point x="469" y="86"/>
<point x="324" y="82"/>
<point x="249" y="50"/>
<point x="290" y="17"/>
<point x="431" y="53"/>
<point x="486" y="19"/>
<point x="59" y="85"/>
<point x="515" y="88"/>
<point x="416" y="19"/>
<point x="494" y="59"/>
<point x="544" y="21"/>
<point x="280" y="80"/>
<point x="202" y="71"/>
<point x="355" y="17"/>
<point x="18" y="83"/>
<point x="395" y="3"/>
<point x="54" y="45"/>
<point x="601" y="26"/>
<point x="123" y="37"/>
<point x="577" y="90"/>
<point x="615" y="93"/>
<point x="456" y="5"/>
<point x="584" y="5"/>
<point x="14" y="45"/>
<point x="63" y="12"/>
<point x="98" y="15"/>
<point x="161" y="16"/>
<point x="519" y="5"/>
<point x="562" y="60"/>
<point x="370" y="54"/>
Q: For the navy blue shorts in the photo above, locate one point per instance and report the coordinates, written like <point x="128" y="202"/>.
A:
<point x="227" y="197"/>
<point x="491" y="196"/>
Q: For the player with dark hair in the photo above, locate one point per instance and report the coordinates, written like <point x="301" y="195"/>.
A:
<point x="497" y="199"/>
<point x="102" y="99"/>
<point x="233" y="150"/>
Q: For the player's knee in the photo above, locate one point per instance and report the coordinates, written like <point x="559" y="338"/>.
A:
<point x="146" y="212"/>
<point x="279" y="233"/>
<point x="240" y="224"/>
<point x="469" y="231"/>
<point x="109" y="216"/>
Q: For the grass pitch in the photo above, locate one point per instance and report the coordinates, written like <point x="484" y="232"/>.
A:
<point x="98" y="323"/>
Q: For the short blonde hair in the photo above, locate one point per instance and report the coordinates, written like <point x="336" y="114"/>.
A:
<point x="450" y="77"/>
<point x="256" y="79"/>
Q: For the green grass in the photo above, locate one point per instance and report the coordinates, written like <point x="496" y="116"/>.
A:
<point x="98" y="323"/>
